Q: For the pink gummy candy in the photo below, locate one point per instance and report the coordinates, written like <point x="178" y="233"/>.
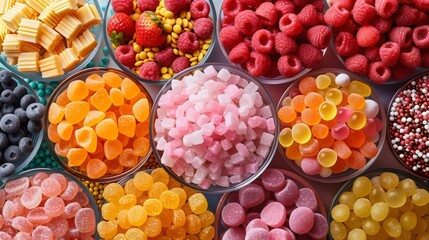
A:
<point x="280" y="234"/>
<point x="340" y="131"/>
<point x="301" y="220"/>
<point x="249" y="217"/>
<point x="21" y="236"/>
<point x="19" y="208"/>
<point x="51" y="187"/>
<point x="59" y="226"/>
<point x="71" y="209"/>
<point x="22" y="224"/>
<point x="85" y="220"/>
<point x="311" y="166"/>
<point x="61" y="180"/>
<point x="5" y="236"/>
<point x="257" y="234"/>
<point x="289" y="194"/>
<point x="307" y="198"/>
<point x="17" y="186"/>
<point x="81" y="198"/>
<point x="38" y="178"/>
<point x="42" y="233"/>
<point x="320" y="227"/>
<point x="251" y="195"/>
<point x="8" y="210"/>
<point x="233" y="214"/>
<point x="274" y="214"/>
<point x="38" y="216"/>
<point x="70" y="192"/>
<point x="273" y="180"/>
<point x="343" y="114"/>
<point x="234" y="233"/>
<point x="256" y="223"/>
<point x="32" y="197"/>
<point x="54" y="207"/>
<point x="2" y="196"/>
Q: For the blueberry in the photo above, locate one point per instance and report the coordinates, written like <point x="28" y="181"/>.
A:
<point x="10" y="123"/>
<point x="6" y="170"/>
<point x="12" y="85"/>
<point x="26" y="145"/>
<point x="34" y="127"/>
<point x="7" y="109"/>
<point x="4" y="141"/>
<point x="21" y="114"/>
<point x="27" y="100"/>
<point x="1" y="157"/>
<point x="12" y="153"/>
<point x="7" y="96"/>
<point x="5" y="77"/>
<point x="35" y="111"/>
<point x="20" y="91"/>
<point x="15" y="137"/>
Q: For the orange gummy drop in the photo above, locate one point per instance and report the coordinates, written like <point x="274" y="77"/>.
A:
<point x="65" y="130"/>
<point x="286" y="114"/>
<point x="293" y="152"/>
<point x="128" y="158"/>
<point x="356" y="138"/>
<point x="356" y="101"/>
<point x="125" y="109"/>
<point x="141" y="146"/>
<point x="369" y="149"/>
<point x="93" y="118"/>
<point x="112" y="148"/>
<point x="313" y="100"/>
<point x="76" y="111"/>
<point x="101" y="100"/>
<point x="112" y="115"/>
<point x="77" y="90"/>
<point x="99" y="151"/>
<point x="123" y="139"/>
<point x="310" y="148"/>
<point x="307" y="85"/>
<point x="56" y="113"/>
<point x="129" y="89"/>
<point x="113" y="166"/>
<point x="116" y="97"/>
<point x="142" y="129"/>
<point x="96" y="168"/>
<point x="356" y="160"/>
<point x="112" y="80"/>
<point x="127" y="125"/>
<point x="62" y="99"/>
<point x="137" y="98"/>
<point x="86" y="138"/>
<point x="76" y="156"/>
<point x="94" y="82"/>
<point x="107" y="129"/>
<point x="141" y="110"/>
<point x="342" y="149"/>
<point x="339" y="166"/>
<point x="53" y="133"/>
<point x="310" y="116"/>
<point x="62" y="147"/>
<point x="297" y="103"/>
<point x="320" y="131"/>
<point x="327" y="141"/>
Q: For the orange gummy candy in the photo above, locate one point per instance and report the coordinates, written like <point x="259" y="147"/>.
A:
<point x="356" y="160"/>
<point x="112" y="80"/>
<point x="320" y="131"/>
<point x="339" y="166"/>
<point x="93" y="118"/>
<point x="125" y="109"/>
<point x="116" y="97"/>
<point x="141" y="110"/>
<point x="77" y="90"/>
<point x="113" y="166"/>
<point x="62" y="147"/>
<point x="342" y="149"/>
<point x="107" y="129"/>
<point x="86" y="138"/>
<point x="129" y="89"/>
<point x="141" y="146"/>
<point x="286" y="114"/>
<point x="94" y="82"/>
<point x="297" y="103"/>
<point x="369" y="149"/>
<point x="112" y="115"/>
<point x="307" y="85"/>
<point x="137" y="98"/>
<point x="123" y="139"/>
<point x="127" y="125"/>
<point x="65" y="130"/>
<point x="128" y="158"/>
<point x="112" y="149"/>
<point x="310" y="148"/>
<point x="52" y="133"/>
<point x="293" y="152"/>
<point x="313" y="100"/>
<point x="62" y="99"/>
<point x="356" y="138"/>
<point x="101" y="100"/>
<point x="76" y="156"/>
<point x="56" y="113"/>
<point x="96" y="168"/>
<point x="327" y="141"/>
<point x="99" y="151"/>
<point x="76" y="111"/>
<point x="142" y="129"/>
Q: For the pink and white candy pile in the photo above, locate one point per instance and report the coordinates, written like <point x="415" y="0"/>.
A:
<point x="45" y="207"/>
<point x="274" y="208"/>
<point x="214" y="128"/>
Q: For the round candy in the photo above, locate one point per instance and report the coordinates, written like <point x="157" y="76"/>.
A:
<point x="274" y="214"/>
<point x="233" y="214"/>
<point x="301" y="220"/>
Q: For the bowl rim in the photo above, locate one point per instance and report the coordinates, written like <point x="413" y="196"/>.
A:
<point x="336" y="178"/>
<point x="128" y="71"/>
<point x="81" y="65"/>
<point x="51" y="146"/>
<point x="300" y="181"/>
<point x="389" y="123"/>
<point x="268" y="99"/>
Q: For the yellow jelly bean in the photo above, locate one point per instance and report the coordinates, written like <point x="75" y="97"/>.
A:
<point x="327" y="110"/>
<point x="285" y="137"/>
<point x="360" y="88"/>
<point x="357" y="120"/>
<point x="323" y="81"/>
<point x="198" y="203"/>
<point x="301" y="133"/>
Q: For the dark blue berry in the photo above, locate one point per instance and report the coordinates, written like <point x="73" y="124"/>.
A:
<point x="27" y="100"/>
<point x="12" y="85"/>
<point x="10" y="123"/>
<point x="12" y="153"/>
<point x="5" y="77"/>
<point x="6" y="170"/>
<point x="26" y="145"/>
<point x="7" y="109"/>
<point x="21" y="114"/>
<point x="20" y="91"/>
<point x="34" y="127"/>
<point x="4" y="141"/>
<point x="8" y="97"/>
<point x="35" y="111"/>
<point x="15" y="137"/>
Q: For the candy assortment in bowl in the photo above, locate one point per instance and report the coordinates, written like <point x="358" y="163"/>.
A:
<point x="157" y="39"/>
<point x="386" y="40"/>
<point x="333" y="125"/>
<point x="45" y="41"/>
<point x="381" y="204"/>
<point x="213" y="128"/>
<point x="275" y="41"/>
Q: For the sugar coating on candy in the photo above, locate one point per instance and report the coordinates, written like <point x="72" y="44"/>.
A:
<point x="289" y="194"/>
<point x="251" y="195"/>
<point x="274" y="214"/>
<point x="273" y="180"/>
<point x="301" y="220"/>
<point x="233" y="214"/>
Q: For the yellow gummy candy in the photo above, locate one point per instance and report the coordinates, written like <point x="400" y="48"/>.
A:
<point x="181" y="193"/>
<point x="123" y="219"/>
<point x="179" y="217"/>
<point x="170" y="199"/>
<point x="153" y="206"/>
<point x="143" y="181"/>
<point x="109" y="211"/>
<point x="193" y="224"/>
<point x="86" y="138"/>
<point x="137" y="215"/>
<point x="157" y="189"/>
<point x="116" y="97"/>
<point x="127" y="201"/>
<point x="152" y="227"/>
<point x="93" y="118"/>
<point x="160" y="175"/>
<point x="141" y="110"/>
<point x="130" y="188"/>
<point x="107" y="230"/>
<point x="113" y="192"/>
<point x="65" y="130"/>
<point x="198" y="203"/>
<point x="135" y="234"/>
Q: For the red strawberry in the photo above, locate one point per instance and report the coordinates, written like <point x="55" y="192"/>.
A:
<point x="120" y="28"/>
<point x="149" y="30"/>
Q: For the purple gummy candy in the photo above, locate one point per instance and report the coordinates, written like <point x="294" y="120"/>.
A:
<point x="274" y="214"/>
<point x="234" y="233"/>
<point x="233" y="214"/>
<point x="249" y="217"/>
<point x="301" y="220"/>
<point x="320" y="227"/>
<point x="289" y="194"/>
<point x="257" y="234"/>
<point x="281" y="234"/>
<point x="251" y="195"/>
<point x="273" y="180"/>
<point x="256" y="223"/>
<point x="307" y="198"/>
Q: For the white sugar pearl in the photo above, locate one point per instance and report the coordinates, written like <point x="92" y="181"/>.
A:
<point x="342" y="79"/>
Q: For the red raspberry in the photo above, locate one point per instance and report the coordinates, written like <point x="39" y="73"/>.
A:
<point x="273" y="72"/>
<point x="421" y="36"/>
<point x="150" y="71"/>
<point x="247" y="22"/>
<point x="188" y="42"/>
<point x="227" y="21"/>
<point x="231" y="8"/>
<point x="378" y="72"/>
<point x="180" y="63"/>
<point x="386" y="8"/>
<point x="346" y="44"/>
<point x="389" y="53"/>
<point x="357" y="64"/>
<point x="350" y="26"/>
<point x="422" y="4"/>
<point x="411" y="58"/>
<point x="423" y="19"/>
<point x="309" y="55"/>
<point x="300" y="3"/>
<point x="267" y="14"/>
<point x="165" y="57"/>
<point x="402" y="36"/>
<point x="289" y="65"/>
<point x="367" y="36"/>
<point x="229" y="37"/>
<point x="284" y="7"/>
<point x="406" y="16"/>
<point x="363" y="12"/>
<point x="263" y="41"/>
<point x="239" y="54"/>
<point x="319" y="36"/>
<point x="123" y="6"/>
<point x="251" y="3"/>
<point x="258" y="64"/>
<point x="400" y="72"/>
<point x="318" y="4"/>
<point x="203" y="27"/>
<point x="176" y="5"/>
<point x="199" y="9"/>
<point x="125" y="55"/>
<point x="308" y="15"/>
<point x="425" y="58"/>
<point x="290" y="25"/>
<point x="284" y="44"/>
<point x="147" y="5"/>
<point x="346" y="4"/>
<point x="336" y="16"/>
<point x="320" y="19"/>
<point x="372" y="53"/>
<point x="382" y="24"/>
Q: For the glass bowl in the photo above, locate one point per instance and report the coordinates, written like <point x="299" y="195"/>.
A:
<point x="350" y="173"/>
<point x="370" y="174"/>
<point x="221" y="228"/>
<point x="110" y="12"/>
<point x="267" y="99"/>
<point x="37" y="138"/>
<point x="420" y="124"/>
<point x="63" y="161"/>
<point x="29" y="173"/>
<point x="96" y="30"/>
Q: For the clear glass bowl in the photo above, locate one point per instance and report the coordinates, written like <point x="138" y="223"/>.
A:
<point x="92" y="203"/>
<point x="37" y="138"/>
<point x="96" y="30"/>
<point x="334" y="178"/>
<point x="370" y="174"/>
<point x="82" y="75"/>
<point x="110" y="12"/>
<point x="302" y="183"/>
<point x="267" y="101"/>
<point x="390" y="125"/>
